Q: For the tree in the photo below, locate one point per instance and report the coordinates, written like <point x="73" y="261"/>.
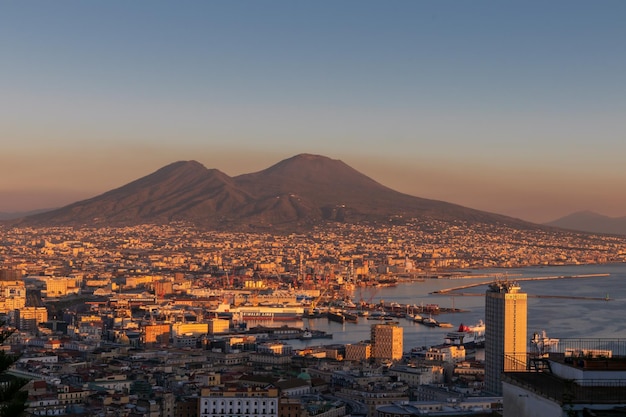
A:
<point x="12" y="400"/>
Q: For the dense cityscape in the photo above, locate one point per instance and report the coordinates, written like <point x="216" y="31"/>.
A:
<point x="175" y="321"/>
<point x="288" y="208"/>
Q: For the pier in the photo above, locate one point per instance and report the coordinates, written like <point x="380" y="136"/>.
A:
<point x="565" y="297"/>
<point x="453" y="290"/>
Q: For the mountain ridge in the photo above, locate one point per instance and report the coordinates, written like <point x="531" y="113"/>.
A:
<point x="591" y="222"/>
<point x="299" y="192"/>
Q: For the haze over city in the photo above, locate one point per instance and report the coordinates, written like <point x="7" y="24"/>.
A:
<point x="510" y="108"/>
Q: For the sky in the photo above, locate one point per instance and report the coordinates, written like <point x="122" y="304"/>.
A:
<point x="516" y="108"/>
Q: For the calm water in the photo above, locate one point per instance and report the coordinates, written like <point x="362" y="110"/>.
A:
<point x="560" y="318"/>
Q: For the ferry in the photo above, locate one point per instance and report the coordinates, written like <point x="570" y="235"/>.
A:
<point x="260" y="312"/>
<point x="468" y="336"/>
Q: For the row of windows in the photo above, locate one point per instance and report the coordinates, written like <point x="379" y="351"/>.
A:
<point x="215" y="402"/>
<point x="230" y="412"/>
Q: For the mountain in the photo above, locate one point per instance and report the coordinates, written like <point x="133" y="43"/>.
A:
<point x="177" y="192"/>
<point x="19" y="214"/>
<point x="588" y="221"/>
<point x="296" y="193"/>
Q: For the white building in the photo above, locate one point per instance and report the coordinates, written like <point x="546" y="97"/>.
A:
<point x="242" y="402"/>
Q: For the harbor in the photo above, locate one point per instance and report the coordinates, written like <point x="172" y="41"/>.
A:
<point x="550" y="306"/>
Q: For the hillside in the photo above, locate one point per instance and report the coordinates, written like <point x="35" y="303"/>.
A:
<point x="588" y="221"/>
<point x="296" y="193"/>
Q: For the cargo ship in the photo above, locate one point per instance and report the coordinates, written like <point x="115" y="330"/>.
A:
<point x="342" y="317"/>
<point x="336" y="316"/>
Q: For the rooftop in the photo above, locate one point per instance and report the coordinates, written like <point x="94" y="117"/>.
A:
<point x="576" y="371"/>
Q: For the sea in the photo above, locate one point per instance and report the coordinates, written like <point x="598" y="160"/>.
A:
<point x="592" y="307"/>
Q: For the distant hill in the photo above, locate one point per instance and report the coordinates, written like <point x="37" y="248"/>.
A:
<point x="588" y="221"/>
<point x="20" y="214"/>
<point x="296" y="193"/>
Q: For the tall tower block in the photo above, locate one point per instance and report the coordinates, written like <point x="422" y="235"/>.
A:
<point x="387" y="341"/>
<point x="505" y="332"/>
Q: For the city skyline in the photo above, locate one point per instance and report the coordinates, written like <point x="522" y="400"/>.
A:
<point x="512" y="109"/>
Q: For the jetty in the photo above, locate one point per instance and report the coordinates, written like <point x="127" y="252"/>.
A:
<point x="478" y="284"/>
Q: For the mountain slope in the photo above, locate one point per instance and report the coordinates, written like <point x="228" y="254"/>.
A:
<point x="588" y="221"/>
<point x="301" y="191"/>
<point x="342" y="193"/>
<point x="180" y="191"/>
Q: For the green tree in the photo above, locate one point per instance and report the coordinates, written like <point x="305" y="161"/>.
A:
<point x="12" y="400"/>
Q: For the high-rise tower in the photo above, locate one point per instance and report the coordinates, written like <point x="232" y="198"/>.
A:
<point x="505" y="332"/>
<point x="387" y="341"/>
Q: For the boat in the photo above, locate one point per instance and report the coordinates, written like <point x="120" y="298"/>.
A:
<point x="467" y="336"/>
<point x="444" y="324"/>
<point x="336" y="316"/>
<point x="415" y="318"/>
<point x="306" y="334"/>
<point x="377" y="315"/>
<point x="430" y="322"/>
<point x="350" y="317"/>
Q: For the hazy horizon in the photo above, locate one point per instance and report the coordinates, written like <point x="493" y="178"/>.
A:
<point x="514" y="109"/>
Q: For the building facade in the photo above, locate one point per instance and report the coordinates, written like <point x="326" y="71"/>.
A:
<point x="250" y="402"/>
<point x="387" y="341"/>
<point x="505" y="332"/>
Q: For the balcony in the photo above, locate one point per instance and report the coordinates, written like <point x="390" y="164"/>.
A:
<point x="577" y="371"/>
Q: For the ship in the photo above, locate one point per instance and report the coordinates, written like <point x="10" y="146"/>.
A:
<point x="430" y="322"/>
<point x="336" y="316"/>
<point x="350" y="317"/>
<point x="468" y="336"/>
<point x="541" y="345"/>
<point x="244" y="313"/>
<point x="416" y="318"/>
<point x="342" y="316"/>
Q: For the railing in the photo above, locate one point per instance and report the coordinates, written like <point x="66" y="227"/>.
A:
<point x="582" y="347"/>
<point x="533" y="371"/>
<point x="596" y="391"/>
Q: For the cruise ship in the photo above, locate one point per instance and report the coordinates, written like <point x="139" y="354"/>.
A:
<point x="468" y="336"/>
<point x="244" y="313"/>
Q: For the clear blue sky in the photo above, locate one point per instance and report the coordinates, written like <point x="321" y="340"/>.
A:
<point x="512" y="107"/>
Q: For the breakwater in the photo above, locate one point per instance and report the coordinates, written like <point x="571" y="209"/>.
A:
<point x="454" y="290"/>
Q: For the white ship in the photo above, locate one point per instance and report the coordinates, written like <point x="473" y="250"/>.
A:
<point x="260" y="312"/>
<point x="468" y="336"/>
<point x="541" y="344"/>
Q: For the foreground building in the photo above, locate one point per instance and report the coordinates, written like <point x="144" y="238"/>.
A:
<point x="582" y="377"/>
